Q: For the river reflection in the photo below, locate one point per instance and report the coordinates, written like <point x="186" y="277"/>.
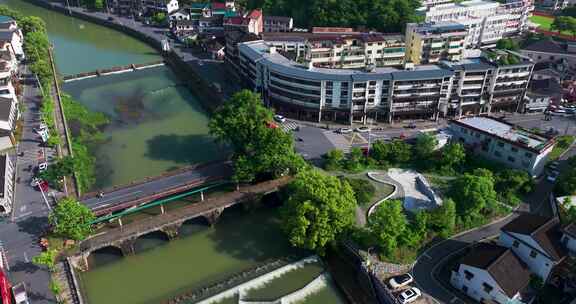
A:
<point x="157" y="125"/>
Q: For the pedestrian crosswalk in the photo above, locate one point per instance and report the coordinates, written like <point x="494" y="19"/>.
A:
<point x="338" y="140"/>
<point x="289" y="125"/>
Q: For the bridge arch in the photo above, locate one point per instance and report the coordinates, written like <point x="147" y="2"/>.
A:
<point x="103" y="256"/>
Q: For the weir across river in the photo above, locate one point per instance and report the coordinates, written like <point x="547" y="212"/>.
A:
<point x="113" y="70"/>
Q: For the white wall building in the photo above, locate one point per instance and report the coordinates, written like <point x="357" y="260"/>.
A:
<point x="497" y="140"/>
<point x="6" y="185"/>
<point x="487" y="21"/>
<point x="536" y="241"/>
<point x="491" y="273"/>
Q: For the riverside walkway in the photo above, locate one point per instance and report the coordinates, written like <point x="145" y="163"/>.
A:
<point x="170" y="222"/>
<point x="146" y="191"/>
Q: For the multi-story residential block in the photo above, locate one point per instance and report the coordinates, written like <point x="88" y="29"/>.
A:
<point x="8" y="116"/>
<point x="432" y="42"/>
<point x="492" y="274"/>
<point x="502" y="142"/>
<point x="541" y="94"/>
<point x="278" y="24"/>
<point x="6" y="185"/>
<point x="486" y="21"/>
<point x="11" y="38"/>
<point x="251" y="22"/>
<point x="536" y="241"/>
<point x="354" y="50"/>
<point x="569" y="238"/>
<point x="299" y="87"/>
<point x="549" y="51"/>
<point x="153" y="6"/>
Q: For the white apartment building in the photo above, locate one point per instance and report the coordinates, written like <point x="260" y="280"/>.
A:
<point x="486" y="21"/>
<point x="6" y="185"/>
<point x="492" y="274"/>
<point x="536" y="241"/>
<point x="433" y="42"/>
<point x="505" y="143"/>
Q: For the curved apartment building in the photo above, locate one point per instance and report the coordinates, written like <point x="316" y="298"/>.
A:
<point x="470" y="86"/>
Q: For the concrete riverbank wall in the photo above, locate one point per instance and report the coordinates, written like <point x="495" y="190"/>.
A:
<point x="207" y="92"/>
<point x="241" y="290"/>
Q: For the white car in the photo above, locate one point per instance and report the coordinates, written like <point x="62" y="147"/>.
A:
<point x="42" y="167"/>
<point x="400" y="280"/>
<point x="409" y="295"/>
<point x="279" y="118"/>
<point x="20" y="296"/>
<point x="552" y="176"/>
<point x="344" y="131"/>
<point x="363" y="130"/>
<point x="41" y="128"/>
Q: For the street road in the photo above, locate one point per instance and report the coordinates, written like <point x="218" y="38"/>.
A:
<point x="20" y="233"/>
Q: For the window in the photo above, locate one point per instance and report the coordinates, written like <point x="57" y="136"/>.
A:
<point x="511" y="159"/>
<point x="514" y="149"/>
<point x="516" y="244"/>
<point x="468" y="275"/>
<point x="500" y="144"/>
<point x="465" y="288"/>
<point x="487" y="288"/>
<point x="533" y="254"/>
<point x="528" y="155"/>
<point x="497" y="154"/>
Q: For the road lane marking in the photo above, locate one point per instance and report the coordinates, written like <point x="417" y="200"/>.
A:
<point x="23" y="215"/>
<point x="26" y="257"/>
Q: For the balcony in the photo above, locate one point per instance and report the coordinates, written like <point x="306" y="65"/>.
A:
<point x="437" y="45"/>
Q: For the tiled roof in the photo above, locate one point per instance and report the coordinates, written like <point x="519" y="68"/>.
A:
<point x="545" y="231"/>
<point x="502" y="264"/>
<point x="254" y="14"/>
<point x="546" y="46"/>
<point x="570" y="230"/>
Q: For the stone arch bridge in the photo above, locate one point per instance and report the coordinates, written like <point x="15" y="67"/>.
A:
<point x="169" y="223"/>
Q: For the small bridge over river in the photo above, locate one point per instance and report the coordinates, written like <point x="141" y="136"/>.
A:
<point x="113" y="70"/>
<point x="169" y="223"/>
<point x="151" y="189"/>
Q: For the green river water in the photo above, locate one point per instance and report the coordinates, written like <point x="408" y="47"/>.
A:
<point x="157" y="125"/>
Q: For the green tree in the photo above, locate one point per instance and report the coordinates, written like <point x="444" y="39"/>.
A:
<point x="319" y="208"/>
<point x="566" y="184"/>
<point x="380" y="151"/>
<point x="473" y="194"/>
<point x="333" y="160"/>
<point x="355" y="160"/>
<point x="511" y="183"/>
<point x="453" y="155"/>
<point x="424" y="150"/>
<point x="387" y="224"/>
<point x="507" y="44"/>
<point x="71" y="219"/>
<point x="363" y="190"/>
<point x="259" y="148"/>
<point x="443" y="219"/>
<point x="46" y="258"/>
<point x="159" y="18"/>
<point x="417" y="231"/>
<point x="399" y="151"/>
<point x="560" y="24"/>
<point x="58" y="170"/>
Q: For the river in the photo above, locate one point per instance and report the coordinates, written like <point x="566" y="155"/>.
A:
<point x="157" y="125"/>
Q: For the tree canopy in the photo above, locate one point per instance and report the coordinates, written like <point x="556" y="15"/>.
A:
<point x="319" y="208"/>
<point x="260" y="148"/>
<point x="474" y="193"/>
<point x="507" y="44"/>
<point x="387" y="224"/>
<point x="453" y="155"/>
<point x="388" y="16"/>
<point x="564" y="23"/>
<point x="71" y="219"/>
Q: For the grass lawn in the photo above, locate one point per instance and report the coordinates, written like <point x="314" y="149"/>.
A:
<point x="562" y="144"/>
<point x="382" y="190"/>
<point x="546" y="22"/>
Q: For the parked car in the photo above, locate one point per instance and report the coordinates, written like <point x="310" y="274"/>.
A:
<point x="552" y="176"/>
<point x="279" y="118"/>
<point x="344" y="131"/>
<point x="409" y="295"/>
<point x="363" y="130"/>
<point x="553" y="165"/>
<point x="20" y="295"/>
<point x="411" y="126"/>
<point x="400" y="280"/>
<point x="42" y="167"/>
